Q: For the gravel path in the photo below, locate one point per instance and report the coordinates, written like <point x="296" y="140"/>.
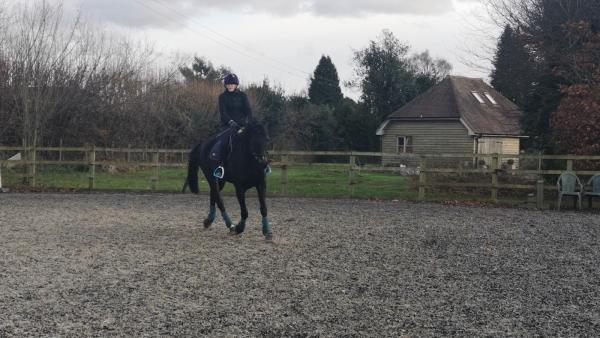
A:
<point x="141" y="265"/>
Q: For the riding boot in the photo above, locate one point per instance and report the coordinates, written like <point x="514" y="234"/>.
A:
<point x="218" y="156"/>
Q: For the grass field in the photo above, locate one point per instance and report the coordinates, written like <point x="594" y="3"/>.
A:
<point x="315" y="180"/>
<point x="304" y="180"/>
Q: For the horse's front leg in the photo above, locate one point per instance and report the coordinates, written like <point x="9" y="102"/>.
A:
<point x="262" y="194"/>
<point x="215" y="194"/>
<point x="210" y="218"/>
<point x="240" y="193"/>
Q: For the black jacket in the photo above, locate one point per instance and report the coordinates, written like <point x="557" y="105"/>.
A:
<point x="234" y="106"/>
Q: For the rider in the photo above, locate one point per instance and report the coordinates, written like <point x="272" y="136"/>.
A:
<point x="235" y="111"/>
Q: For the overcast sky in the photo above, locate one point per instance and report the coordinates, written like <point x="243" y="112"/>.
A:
<point x="283" y="40"/>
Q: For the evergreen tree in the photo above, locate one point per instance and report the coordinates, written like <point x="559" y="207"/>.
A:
<point x="539" y="104"/>
<point x="324" y="86"/>
<point x="513" y="72"/>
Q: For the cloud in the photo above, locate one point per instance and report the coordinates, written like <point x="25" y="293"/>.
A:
<point x="160" y="13"/>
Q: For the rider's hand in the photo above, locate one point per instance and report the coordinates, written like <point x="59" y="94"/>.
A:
<point x="232" y="123"/>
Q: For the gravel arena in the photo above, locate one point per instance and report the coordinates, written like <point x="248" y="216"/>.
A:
<point x="142" y="265"/>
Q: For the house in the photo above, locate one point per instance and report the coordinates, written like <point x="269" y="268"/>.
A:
<point x="458" y="115"/>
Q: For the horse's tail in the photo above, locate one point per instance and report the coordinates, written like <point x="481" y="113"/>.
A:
<point x="193" y="164"/>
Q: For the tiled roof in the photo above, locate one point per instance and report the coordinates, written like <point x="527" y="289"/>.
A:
<point x="453" y="98"/>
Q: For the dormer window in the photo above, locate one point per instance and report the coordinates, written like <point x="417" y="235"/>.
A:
<point x="489" y="97"/>
<point x="478" y="97"/>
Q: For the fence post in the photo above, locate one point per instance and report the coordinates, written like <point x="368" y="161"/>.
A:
<point x="494" y="168"/>
<point x="92" y="163"/>
<point x="422" y="177"/>
<point x="156" y="170"/>
<point x="129" y="153"/>
<point x="284" y="179"/>
<point x="539" y="199"/>
<point x="569" y="165"/>
<point x="60" y="151"/>
<point x="351" y="174"/>
<point x="32" y="166"/>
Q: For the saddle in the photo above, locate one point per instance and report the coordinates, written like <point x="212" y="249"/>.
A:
<point x="220" y="151"/>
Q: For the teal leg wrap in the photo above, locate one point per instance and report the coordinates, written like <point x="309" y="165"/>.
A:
<point x="226" y="218"/>
<point x="211" y="213"/>
<point x="266" y="228"/>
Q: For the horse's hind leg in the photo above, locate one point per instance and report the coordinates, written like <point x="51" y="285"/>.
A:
<point x="241" y="197"/>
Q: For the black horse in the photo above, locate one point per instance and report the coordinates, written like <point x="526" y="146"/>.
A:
<point x="246" y="166"/>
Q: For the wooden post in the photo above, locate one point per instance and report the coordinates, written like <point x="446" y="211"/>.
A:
<point x="129" y="153"/>
<point x="30" y="166"/>
<point x="540" y="162"/>
<point x="284" y="179"/>
<point x="494" y="169"/>
<point x="539" y="198"/>
<point x="351" y="175"/>
<point x="569" y="165"/>
<point x="60" y="151"/>
<point x="25" y="167"/>
<point x="422" y="177"/>
<point x="156" y="170"/>
<point x="92" y="163"/>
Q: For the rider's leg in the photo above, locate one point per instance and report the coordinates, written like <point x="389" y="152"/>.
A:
<point x="220" y="153"/>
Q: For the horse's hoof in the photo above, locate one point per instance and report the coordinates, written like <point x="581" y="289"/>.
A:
<point x="269" y="237"/>
<point x="240" y="227"/>
<point x="207" y="223"/>
<point x="232" y="231"/>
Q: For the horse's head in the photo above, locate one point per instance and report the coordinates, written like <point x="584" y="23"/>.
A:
<point x="257" y="138"/>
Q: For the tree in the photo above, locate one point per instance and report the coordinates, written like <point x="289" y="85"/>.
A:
<point x="324" y="85"/>
<point x="561" y="38"/>
<point x="389" y="78"/>
<point x="268" y="104"/>
<point x="428" y="71"/>
<point x="202" y="69"/>
<point x="577" y="121"/>
<point x="355" y="126"/>
<point x="539" y="104"/>
<point x="513" y="72"/>
<point x="384" y="75"/>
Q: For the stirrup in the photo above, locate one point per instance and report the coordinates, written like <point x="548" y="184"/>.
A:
<point x="219" y="172"/>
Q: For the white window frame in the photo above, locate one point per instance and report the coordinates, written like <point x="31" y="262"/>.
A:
<point x="406" y="143"/>
<point x="478" y="97"/>
<point x="489" y="97"/>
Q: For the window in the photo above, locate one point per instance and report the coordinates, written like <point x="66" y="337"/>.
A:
<point x="489" y="97"/>
<point x="404" y="144"/>
<point x="478" y="97"/>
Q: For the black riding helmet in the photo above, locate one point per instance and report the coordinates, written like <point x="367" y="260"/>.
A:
<point x="231" y="79"/>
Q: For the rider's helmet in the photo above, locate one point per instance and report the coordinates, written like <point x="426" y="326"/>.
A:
<point x="231" y="79"/>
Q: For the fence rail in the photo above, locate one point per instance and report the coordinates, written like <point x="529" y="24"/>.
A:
<point x="425" y="170"/>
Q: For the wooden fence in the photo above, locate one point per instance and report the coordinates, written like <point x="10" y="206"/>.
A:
<point x="425" y="169"/>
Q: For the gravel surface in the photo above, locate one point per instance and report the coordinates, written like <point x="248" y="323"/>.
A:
<point x="142" y="265"/>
